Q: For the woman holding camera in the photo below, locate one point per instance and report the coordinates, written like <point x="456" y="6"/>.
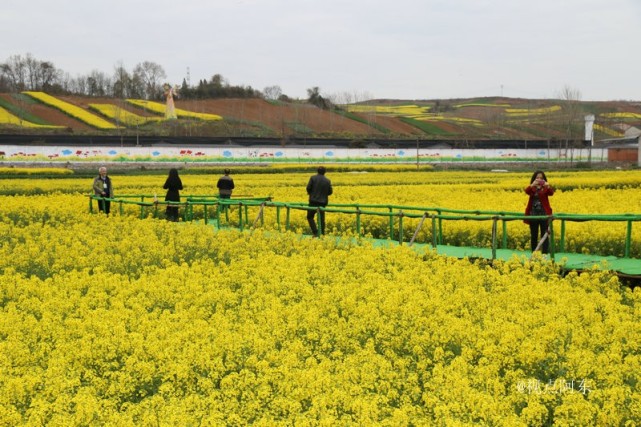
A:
<point x="538" y="205"/>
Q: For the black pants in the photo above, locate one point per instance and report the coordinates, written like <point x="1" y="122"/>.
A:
<point x="172" y="213"/>
<point x="537" y="229"/>
<point x="104" y="206"/>
<point x="310" y="218"/>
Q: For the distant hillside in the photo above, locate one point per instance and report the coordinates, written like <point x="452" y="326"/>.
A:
<point x="475" y="118"/>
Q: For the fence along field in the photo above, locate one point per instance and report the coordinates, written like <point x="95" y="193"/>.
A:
<point x="132" y="322"/>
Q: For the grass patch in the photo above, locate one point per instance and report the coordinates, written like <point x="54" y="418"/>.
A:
<point x="360" y="119"/>
<point x="9" y="172"/>
<point x="299" y="128"/>
<point x="426" y="127"/>
<point x="21" y="113"/>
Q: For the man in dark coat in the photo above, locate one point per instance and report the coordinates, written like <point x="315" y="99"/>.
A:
<point x="225" y="187"/>
<point x="318" y="189"/>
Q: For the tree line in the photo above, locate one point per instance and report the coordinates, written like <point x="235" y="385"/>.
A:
<point x="26" y="73"/>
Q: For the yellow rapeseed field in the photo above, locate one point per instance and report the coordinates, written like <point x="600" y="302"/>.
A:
<point x="143" y="322"/>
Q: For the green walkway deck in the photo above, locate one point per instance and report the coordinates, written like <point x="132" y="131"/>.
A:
<point x="395" y="215"/>
<point x="570" y="261"/>
<point x="628" y="267"/>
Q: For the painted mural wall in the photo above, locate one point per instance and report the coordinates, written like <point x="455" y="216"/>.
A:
<point x="252" y="154"/>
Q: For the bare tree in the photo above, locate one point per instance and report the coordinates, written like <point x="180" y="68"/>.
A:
<point x="98" y="84"/>
<point x="28" y="73"/>
<point x="272" y="92"/>
<point x="31" y="66"/>
<point x="572" y="112"/>
<point x="122" y="82"/>
<point x="15" y="72"/>
<point x="151" y="76"/>
<point x="47" y="76"/>
<point x="136" y="87"/>
<point x="74" y="84"/>
<point x="361" y="96"/>
<point x="346" y="98"/>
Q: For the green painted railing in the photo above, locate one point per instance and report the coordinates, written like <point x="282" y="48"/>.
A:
<point x="211" y="207"/>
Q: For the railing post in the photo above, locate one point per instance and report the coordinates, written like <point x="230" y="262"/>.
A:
<point x="287" y="218"/>
<point x="562" y="239"/>
<point x="551" y="237"/>
<point x="504" y="236"/>
<point x="434" y="232"/>
<point x="628" y="239"/>
<point x="400" y="227"/>
<point x="391" y="223"/>
<point x="220" y="209"/>
<point x="240" y="215"/>
<point x="262" y="216"/>
<point x="358" y="221"/>
<point x="440" y="227"/>
<point x="494" y="229"/>
<point x="278" y="217"/>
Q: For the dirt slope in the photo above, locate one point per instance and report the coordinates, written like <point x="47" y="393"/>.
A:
<point x="259" y="118"/>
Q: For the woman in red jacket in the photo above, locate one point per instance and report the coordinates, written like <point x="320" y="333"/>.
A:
<point x="538" y="205"/>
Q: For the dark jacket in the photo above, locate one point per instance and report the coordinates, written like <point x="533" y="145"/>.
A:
<point x="319" y="188"/>
<point x="225" y="185"/>
<point x="173" y="185"/>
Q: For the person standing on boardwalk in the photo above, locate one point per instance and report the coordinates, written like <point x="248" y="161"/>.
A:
<point x="538" y="205"/>
<point x="319" y="188"/>
<point x="225" y="186"/>
<point x="173" y="185"/>
<point x="102" y="187"/>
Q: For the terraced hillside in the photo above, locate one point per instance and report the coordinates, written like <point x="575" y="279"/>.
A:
<point x="480" y="118"/>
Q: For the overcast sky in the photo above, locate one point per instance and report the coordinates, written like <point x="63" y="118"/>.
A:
<point x="396" y="49"/>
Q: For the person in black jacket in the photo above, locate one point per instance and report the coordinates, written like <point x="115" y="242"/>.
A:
<point x="225" y="186"/>
<point x="318" y="189"/>
<point x="173" y="185"/>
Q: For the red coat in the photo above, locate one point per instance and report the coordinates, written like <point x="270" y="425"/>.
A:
<point x="543" y="192"/>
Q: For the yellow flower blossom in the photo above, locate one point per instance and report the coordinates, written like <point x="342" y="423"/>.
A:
<point x="9" y="119"/>
<point x="121" y="115"/>
<point x="125" y="321"/>
<point x="532" y="111"/>
<point x="159" y="108"/>
<point x="72" y="110"/>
